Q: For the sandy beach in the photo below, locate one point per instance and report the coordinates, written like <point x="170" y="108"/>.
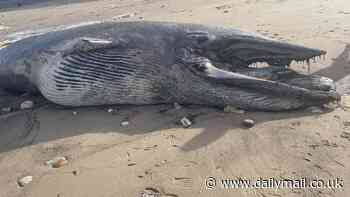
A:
<point x="153" y="154"/>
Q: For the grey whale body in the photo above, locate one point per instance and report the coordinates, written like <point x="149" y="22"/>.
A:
<point x="157" y="62"/>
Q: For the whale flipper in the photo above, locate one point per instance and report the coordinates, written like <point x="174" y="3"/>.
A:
<point x="205" y="68"/>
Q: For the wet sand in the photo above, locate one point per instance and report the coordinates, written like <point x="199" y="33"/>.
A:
<point x="154" y="152"/>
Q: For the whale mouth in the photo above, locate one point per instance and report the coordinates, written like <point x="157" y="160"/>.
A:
<point x="258" y="51"/>
<point x="261" y="65"/>
<point x="286" y="61"/>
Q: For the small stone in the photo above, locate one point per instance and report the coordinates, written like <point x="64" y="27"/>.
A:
<point x="231" y="109"/>
<point x="248" y="123"/>
<point x="75" y="113"/>
<point x="27" y="105"/>
<point x="186" y="123"/>
<point x="124" y="123"/>
<point x="123" y="16"/>
<point x="110" y="110"/>
<point x="57" y="162"/>
<point x="315" y="110"/>
<point x="75" y="172"/>
<point x="150" y="192"/>
<point x="345" y="135"/>
<point x="223" y="7"/>
<point x="24" y="181"/>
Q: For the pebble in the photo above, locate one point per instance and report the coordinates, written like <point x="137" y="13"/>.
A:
<point x="123" y="16"/>
<point x="231" y="109"/>
<point x="110" y="110"/>
<point x="346" y="123"/>
<point x="186" y="123"/>
<point x="150" y="192"/>
<point x="57" y="162"/>
<point x="24" y="181"/>
<point x="75" y="172"/>
<point x="27" y="105"/>
<point x="345" y="135"/>
<point x="75" y="113"/>
<point x="248" y="123"/>
<point x="124" y="123"/>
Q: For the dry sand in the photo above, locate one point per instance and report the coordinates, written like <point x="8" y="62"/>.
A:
<point x="153" y="152"/>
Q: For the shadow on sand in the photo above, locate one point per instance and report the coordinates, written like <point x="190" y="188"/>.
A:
<point x="51" y="122"/>
<point x="340" y="67"/>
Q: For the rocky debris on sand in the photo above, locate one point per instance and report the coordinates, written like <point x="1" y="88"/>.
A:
<point x="345" y="135"/>
<point x="231" y="109"/>
<point x="124" y="16"/>
<point x="221" y="7"/>
<point x="124" y="123"/>
<point x="315" y="110"/>
<point x="131" y="164"/>
<point x="75" y="172"/>
<point x="27" y="105"/>
<point x="328" y="143"/>
<point x="185" y="122"/>
<point x="150" y="192"/>
<point x="346" y="123"/>
<point x="24" y="181"/>
<point x="57" y="162"/>
<point x="344" y="12"/>
<point x="248" y="123"/>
